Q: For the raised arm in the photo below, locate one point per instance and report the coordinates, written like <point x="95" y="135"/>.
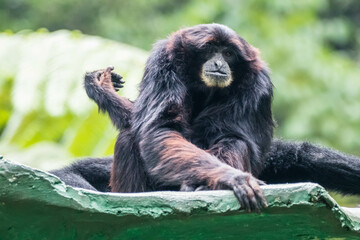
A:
<point x="101" y="86"/>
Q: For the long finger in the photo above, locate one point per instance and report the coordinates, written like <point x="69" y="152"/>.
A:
<point x="117" y="85"/>
<point x="244" y="202"/>
<point x="116" y="76"/>
<point x="252" y="199"/>
<point x="259" y="194"/>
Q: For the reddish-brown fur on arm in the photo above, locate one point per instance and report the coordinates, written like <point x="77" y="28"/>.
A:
<point x="181" y="161"/>
<point x="232" y="152"/>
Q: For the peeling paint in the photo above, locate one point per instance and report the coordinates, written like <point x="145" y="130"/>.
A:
<point x="37" y="205"/>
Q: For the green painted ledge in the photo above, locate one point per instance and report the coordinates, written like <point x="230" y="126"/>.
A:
<point x="37" y="205"/>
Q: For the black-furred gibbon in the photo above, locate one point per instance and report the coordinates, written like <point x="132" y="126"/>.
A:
<point x="203" y="121"/>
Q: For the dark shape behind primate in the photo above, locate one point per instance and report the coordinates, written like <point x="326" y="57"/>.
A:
<point x="203" y="117"/>
<point x="90" y="173"/>
<point x="287" y="162"/>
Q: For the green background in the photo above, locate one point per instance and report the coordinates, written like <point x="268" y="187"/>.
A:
<point x="46" y="120"/>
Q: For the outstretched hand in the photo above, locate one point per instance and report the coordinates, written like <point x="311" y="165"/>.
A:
<point x="109" y="79"/>
<point x="246" y="189"/>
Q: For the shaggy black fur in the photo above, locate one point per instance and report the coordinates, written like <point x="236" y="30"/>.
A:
<point x="290" y="162"/>
<point x="287" y="162"/>
<point x="182" y="134"/>
<point x="90" y="173"/>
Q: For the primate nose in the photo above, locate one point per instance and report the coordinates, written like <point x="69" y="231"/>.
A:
<point x="218" y="64"/>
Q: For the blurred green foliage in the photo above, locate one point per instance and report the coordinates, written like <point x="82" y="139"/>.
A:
<point x="312" y="48"/>
<point x="43" y="103"/>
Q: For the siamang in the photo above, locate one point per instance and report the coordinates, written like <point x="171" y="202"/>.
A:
<point x="203" y="120"/>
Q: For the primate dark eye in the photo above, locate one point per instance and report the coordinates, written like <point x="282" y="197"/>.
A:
<point x="228" y="53"/>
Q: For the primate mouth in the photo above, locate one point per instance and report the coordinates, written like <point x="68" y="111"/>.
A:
<point x="216" y="79"/>
<point x="216" y="73"/>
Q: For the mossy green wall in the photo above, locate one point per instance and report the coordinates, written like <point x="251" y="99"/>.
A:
<point x="36" y="205"/>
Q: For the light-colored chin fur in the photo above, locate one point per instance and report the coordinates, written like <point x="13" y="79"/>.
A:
<point x="213" y="83"/>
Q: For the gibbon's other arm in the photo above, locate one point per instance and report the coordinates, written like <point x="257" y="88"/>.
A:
<point x="101" y="86"/>
<point x="291" y="162"/>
